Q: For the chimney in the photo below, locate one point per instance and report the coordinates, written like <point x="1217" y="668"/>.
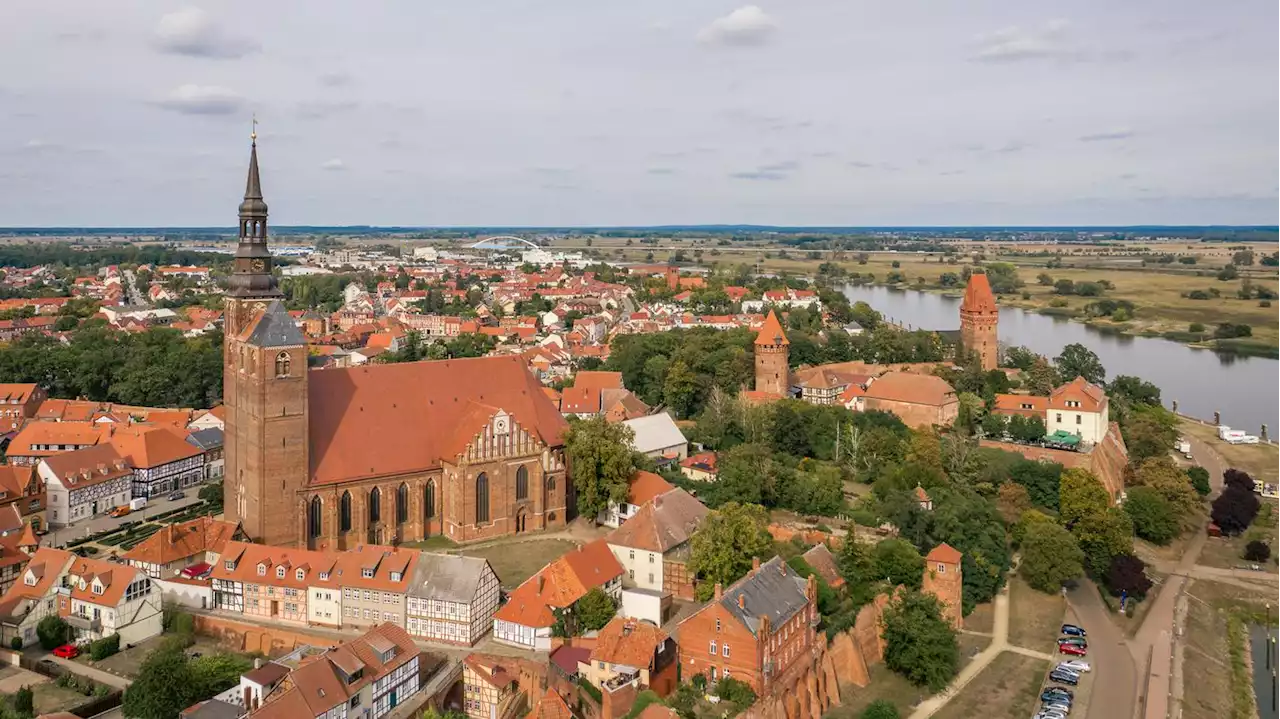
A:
<point x="742" y="601"/>
<point x="540" y="582"/>
<point x="755" y="565"/>
<point x="257" y="662"/>
<point x="248" y="692"/>
<point x="784" y="568"/>
<point x="719" y="592"/>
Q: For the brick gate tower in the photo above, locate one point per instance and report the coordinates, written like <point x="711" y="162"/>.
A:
<point x="978" y="319"/>
<point x="944" y="580"/>
<point x="264" y="386"/>
<point x="773" y="373"/>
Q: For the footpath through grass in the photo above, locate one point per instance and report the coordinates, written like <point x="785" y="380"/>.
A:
<point x="1008" y="687"/>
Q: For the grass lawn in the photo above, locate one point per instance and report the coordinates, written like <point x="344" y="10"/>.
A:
<point x="50" y="698"/>
<point x="127" y="661"/>
<point x="518" y="561"/>
<point x="970" y="645"/>
<point x="981" y="619"/>
<point x="1034" y="617"/>
<point x="884" y="684"/>
<point x="1228" y="552"/>
<point x="1207" y="655"/>
<point x="437" y="543"/>
<point x="1261" y="461"/>
<point x="1008" y="687"/>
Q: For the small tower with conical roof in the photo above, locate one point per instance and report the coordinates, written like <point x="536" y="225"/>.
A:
<point x="979" y="317"/>
<point x="773" y="371"/>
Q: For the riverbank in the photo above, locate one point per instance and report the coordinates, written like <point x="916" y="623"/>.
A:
<point x="1266" y="345"/>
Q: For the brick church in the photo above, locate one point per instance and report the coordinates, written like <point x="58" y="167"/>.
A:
<point x="335" y="458"/>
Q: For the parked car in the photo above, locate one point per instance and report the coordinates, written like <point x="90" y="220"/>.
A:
<point x="177" y="495"/>
<point x="1050" y="714"/>
<point x="1074" y="641"/>
<point x="1073" y="650"/>
<point x="1057" y="694"/>
<point x="67" y="651"/>
<point x="121" y="511"/>
<point x="1064" y="678"/>
<point x="1056" y="707"/>
<point x="1075" y="665"/>
<point x="1074" y="630"/>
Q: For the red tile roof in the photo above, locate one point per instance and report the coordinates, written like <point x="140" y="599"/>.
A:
<point x="912" y="388"/>
<point x="147" y="447"/>
<point x="977" y="295"/>
<point x="1090" y="396"/>
<point x="771" y="333"/>
<point x="560" y="584"/>
<point x="180" y="541"/>
<point x="644" y="486"/>
<point x="944" y="553"/>
<point x="628" y="641"/>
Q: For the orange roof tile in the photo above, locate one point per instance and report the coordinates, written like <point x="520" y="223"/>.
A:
<point x="771" y="333"/>
<point x="944" y="553"/>
<point x="560" y="584"/>
<point x="977" y="295"/>
<point x="550" y="706"/>
<point x="1020" y="403"/>
<point x="51" y="433"/>
<point x="628" y="641"/>
<point x="179" y="541"/>
<point x="912" y="388"/>
<point x="147" y="447"/>
<point x="644" y="486"/>
<point x="1089" y="395"/>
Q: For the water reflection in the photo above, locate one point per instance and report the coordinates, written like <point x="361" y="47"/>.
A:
<point x="1243" y="389"/>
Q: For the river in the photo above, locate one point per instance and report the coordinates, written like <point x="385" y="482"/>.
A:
<point x="1243" y="389"/>
<point x="1263" y="647"/>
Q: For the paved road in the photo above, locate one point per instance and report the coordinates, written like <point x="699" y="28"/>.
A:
<point x="131" y="284"/>
<point x="1115" y="676"/>
<point x="59" y="537"/>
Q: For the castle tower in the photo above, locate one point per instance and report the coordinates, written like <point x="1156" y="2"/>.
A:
<point x="944" y="579"/>
<point x="773" y="373"/>
<point x="978" y="319"/>
<point x="264" y="386"/>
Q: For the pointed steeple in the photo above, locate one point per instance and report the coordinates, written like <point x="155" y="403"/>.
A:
<point x="251" y="275"/>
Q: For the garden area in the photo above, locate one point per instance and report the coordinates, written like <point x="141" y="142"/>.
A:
<point x="1034" y="617"/>
<point x="132" y="533"/>
<point x="515" y="563"/>
<point x="1009" y="688"/>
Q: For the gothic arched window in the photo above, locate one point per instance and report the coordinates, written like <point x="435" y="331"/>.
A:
<point x="344" y="513"/>
<point x="282" y="364"/>
<point x="551" y="484"/>
<point x="313" y="518"/>
<point x="482" y="498"/>
<point x="375" y="505"/>
<point x="402" y="504"/>
<point x="429" y="499"/>
<point x="522" y="483"/>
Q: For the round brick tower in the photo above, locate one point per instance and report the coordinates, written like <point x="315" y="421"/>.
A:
<point x="773" y="373"/>
<point x="979" y="317"/>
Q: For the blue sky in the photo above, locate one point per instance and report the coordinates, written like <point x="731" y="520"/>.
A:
<point x="564" y="112"/>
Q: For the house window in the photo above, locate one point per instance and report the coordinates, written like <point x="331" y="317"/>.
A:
<point x="631" y="573"/>
<point x="367" y="574"/>
<point x="262" y="570"/>
<point x="299" y="575"/>
<point x="429" y="499"/>
<point x="726" y="650"/>
<point x="344" y="513"/>
<point x="280" y="572"/>
<point x="1079" y="419"/>
<point x="717" y="625"/>
<point x="651" y="556"/>
<point x="713" y="647"/>
<point x="1059" y="416"/>
<point x="522" y="483"/>
<point x="632" y="554"/>
<point x="942" y="569"/>
<point x="375" y="505"/>
<point x="482" y="498"/>
<point x="551" y="484"/>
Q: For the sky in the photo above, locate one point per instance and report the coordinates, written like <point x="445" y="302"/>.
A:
<point x="590" y="112"/>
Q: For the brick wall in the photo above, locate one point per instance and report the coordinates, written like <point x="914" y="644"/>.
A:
<point x="271" y="641"/>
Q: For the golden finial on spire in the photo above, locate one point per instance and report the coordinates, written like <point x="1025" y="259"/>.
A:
<point x="253" y="135"/>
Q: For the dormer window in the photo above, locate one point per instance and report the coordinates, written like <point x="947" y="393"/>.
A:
<point x="395" y="576"/>
<point x="299" y="574"/>
<point x="30" y="580"/>
<point x="98" y="588"/>
<point x="324" y="576"/>
<point x="280" y="572"/>
<point x="228" y="565"/>
<point x="366" y="573"/>
<point x="262" y="570"/>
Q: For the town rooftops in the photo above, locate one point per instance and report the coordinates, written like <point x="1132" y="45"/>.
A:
<point x="598" y="379"/>
<point x="180" y="541"/>
<point x="704" y="461"/>
<point x="771" y="333"/>
<point x="100" y="582"/>
<point x="665" y="522"/>
<point x="644" y="486"/>
<point x="628" y="641"/>
<point x="560" y="584"/>
<point x="207" y="439"/>
<point x="448" y="577"/>
<point x="370" y="566"/>
<point x="774" y="591"/>
<point x="39" y="576"/>
<point x="1090" y="397"/>
<point x="655" y="432"/>
<point x="15" y="479"/>
<point x="259" y="564"/>
<point x="88" y="466"/>
<point x="912" y="388"/>
<point x="1028" y="404"/>
<point x="16" y="393"/>
<point x="47" y="434"/>
<point x="550" y="706"/>
<point x="148" y="447"/>
<point x="824" y="563"/>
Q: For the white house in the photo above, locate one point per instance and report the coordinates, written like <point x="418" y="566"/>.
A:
<point x="1080" y="408"/>
<point x="658" y="436"/>
<point x="451" y="599"/>
<point x="84" y="483"/>
<point x="108" y="598"/>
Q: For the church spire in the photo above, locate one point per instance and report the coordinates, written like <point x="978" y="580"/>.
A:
<point x="251" y="275"/>
<point x="253" y="186"/>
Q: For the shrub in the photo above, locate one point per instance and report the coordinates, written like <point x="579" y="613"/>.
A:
<point x="52" y="632"/>
<point x="24" y="702"/>
<point x="1234" y="510"/>
<point x="736" y="691"/>
<point x="1195" y="327"/>
<point x="102" y="648"/>
<point x="1200" y="480"/>
<point x="16" y="644"/>
<point x="1257" y="551"/>
<point x="880" y="709"/>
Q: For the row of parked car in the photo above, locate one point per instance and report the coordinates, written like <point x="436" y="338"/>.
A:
<point x="1056" y="699"/>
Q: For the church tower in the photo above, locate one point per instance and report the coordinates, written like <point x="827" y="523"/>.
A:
<point x="773" y="373"/>
<point x="264" y="386"/>
<point x="978" y="319"/>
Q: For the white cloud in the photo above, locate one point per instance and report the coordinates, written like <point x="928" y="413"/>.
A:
<point x="1013" y="44"/>
<point x="748" y="25"/>
<point x="1119" y="134"/>
<point x="335" y="164"/>
<point x="335" y="79"/>
<point x="191" y="31"/>
<point x="202" y="100"/>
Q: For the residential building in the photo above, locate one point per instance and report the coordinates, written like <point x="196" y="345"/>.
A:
<point x="272" y="582"/>
<point x="102" y="598"/>
<point x="700" y="467"/>
<point x="18" y="542"/>
<point x="366" y="677"/>
<point x="210" y="442"/>
<point x="451" y="599"/>
<point x="920" y="400"/>
<point x="37" y="440"/>
<point x="826" y="384"/>
<point x="653" y="546"/>
<point x="18" y="403"/>
<point x="33" y="597"/>
<point x="628" y="650"/>
<point x="1081" y="408"/>
<point x="490" y="689"/>
<point x="22" y="487"/>
<point x="162" y="459"/>
<point x="197" y="544"/>
<point x="1026" y="405"/>
<point x="374" y="581"/>
<point x="85" y="483"/>
<point x="642" y="487"/>
<point x="759" y="631"/>
<point x="527" y="617"/>
<point x="657" y="436"/>
<point x="551" y="706"/>
<point x="824" y="563"/>
<point x="944" y="579"/>
<point x="209" y="419"/>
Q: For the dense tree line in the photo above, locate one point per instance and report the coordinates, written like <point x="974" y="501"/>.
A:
<point x="68" y="255"/>
<point x="156" y="368"/>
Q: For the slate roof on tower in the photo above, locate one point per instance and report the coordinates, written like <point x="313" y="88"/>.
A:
<point x="274" y="328"/>
<point x="977" y="295"/>
<point x="771" y="333"/>
<point x="380" y="420"/>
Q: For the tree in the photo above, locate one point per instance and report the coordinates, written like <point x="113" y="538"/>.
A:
<point x="1257" y="551"/>
<point x="1199" y="480"/>
<point x="1165" y="477"/>
<point x="594" y="610"/>
<point x="1103" y="536"/>
<point x="1234" y="510"/>
<point x="1133" y="391"/>
<point x="211" y="493"/>
<point x="52" y="632"/>
<point x="1154" y="518"/>
<point x="1050" y="556"/>
<point x="745" y="475"/>
<point x="1149" y="432"/>
<point x="1080" y="494"/>
<point x="919" y="644"/>
<point x="896" y="561"/>
<point x="1244" y="258"/>
<point x="858" y="570"/>
<point x="1128" y="574"/>
<point x="163" y="686"/>
<point x="1238" y="479"/>
<point x="24" y="702"/>
<point x="736" y="692"/>
<point x="1026" y="429"/>
<point x="680" y="390"/>
<point x="1029" y="519"/>
<point x="1041" y="377"/>
<point x="1012" y="500"/>
<point x="994" y="425"/>
<point x="880" y="709"/>
<point x="723" y="548"/>
<point x="1077" y="360"/>
<point x="601" y="461"/>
